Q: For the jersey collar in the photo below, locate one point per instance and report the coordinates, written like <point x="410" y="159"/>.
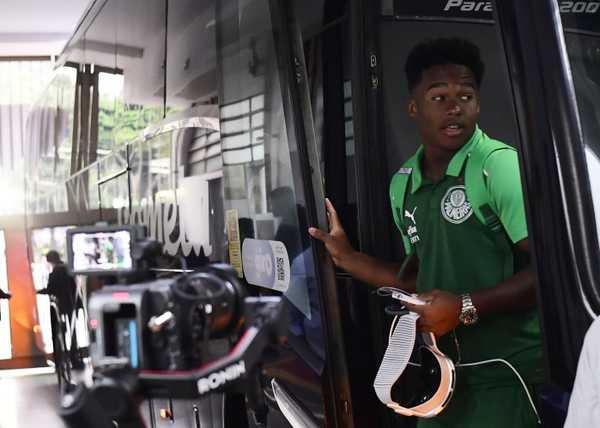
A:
<point x="454" y="167"/>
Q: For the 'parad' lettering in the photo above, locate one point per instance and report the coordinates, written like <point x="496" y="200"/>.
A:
<point x="468" y="6"/>
<point x="590" y="7"/>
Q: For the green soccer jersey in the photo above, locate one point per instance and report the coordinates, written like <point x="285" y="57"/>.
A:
<point x="459" y="254"/>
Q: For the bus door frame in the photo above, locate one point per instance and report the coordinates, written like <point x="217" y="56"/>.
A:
<point x="374" y="237"/>
<point x="297" y="104"/>
<point x="553" y="166"/>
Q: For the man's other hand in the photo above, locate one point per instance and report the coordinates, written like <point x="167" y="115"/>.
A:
<point x="440" y="314"/>
<point x="336" y="241"/>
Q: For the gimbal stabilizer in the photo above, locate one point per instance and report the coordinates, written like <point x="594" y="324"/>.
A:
<point x="118" y="389"/>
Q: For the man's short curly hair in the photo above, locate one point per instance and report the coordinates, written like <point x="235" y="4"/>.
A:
<point x="442" y="51"/>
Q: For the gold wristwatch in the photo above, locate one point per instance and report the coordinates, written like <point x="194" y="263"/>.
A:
<point x="468" y="313"/>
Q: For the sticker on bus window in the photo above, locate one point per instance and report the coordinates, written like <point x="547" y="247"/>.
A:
<point x="266" y="264"/>
<point x="233" y="237"/>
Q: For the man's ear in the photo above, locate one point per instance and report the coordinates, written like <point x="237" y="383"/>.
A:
<point x="412" y="108"/>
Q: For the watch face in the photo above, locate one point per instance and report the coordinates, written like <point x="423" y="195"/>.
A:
<point x="468" y="317"/>
<point x="468" y="314"/>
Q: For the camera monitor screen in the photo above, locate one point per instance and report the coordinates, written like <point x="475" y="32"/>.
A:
<point x="105" y="251"/>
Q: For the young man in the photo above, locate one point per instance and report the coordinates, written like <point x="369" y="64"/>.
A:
<point x="477" y="282"/>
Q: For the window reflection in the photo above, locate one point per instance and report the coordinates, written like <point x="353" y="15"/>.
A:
<point x="584" y="56"/>
<point x="82" y="193"/>
<point x="261" y="169"/>
<point x="191" y="55"/>
<point x="48" y="134"/>
<point x="119" y="121"/>
<point x="593" y="162"/>
<point x="140" y="54"/>
<point x="114" y="185"/>
<point x="242" y="130"/>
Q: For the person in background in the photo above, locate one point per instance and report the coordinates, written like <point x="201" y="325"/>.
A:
<point x="63" y="288"/>
<point x="4" y="295"/>
<point x="61" y="285"/>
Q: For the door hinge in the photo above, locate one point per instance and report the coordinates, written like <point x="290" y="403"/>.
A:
<point x="298" y="70"/>
<point x="373" y="60"/>
<point x="374" y="72"/>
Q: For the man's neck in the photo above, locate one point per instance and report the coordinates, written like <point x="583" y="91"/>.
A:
<point x="435" y="162"/>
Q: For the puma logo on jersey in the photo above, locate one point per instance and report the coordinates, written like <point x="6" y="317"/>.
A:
<point x="411" y="215"/>
<point x="412" y="230"/>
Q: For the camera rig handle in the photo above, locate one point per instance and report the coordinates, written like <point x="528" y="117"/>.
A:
<point x="118" y="391"/>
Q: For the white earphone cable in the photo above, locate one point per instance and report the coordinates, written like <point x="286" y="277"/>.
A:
<point x="480" y="363"/>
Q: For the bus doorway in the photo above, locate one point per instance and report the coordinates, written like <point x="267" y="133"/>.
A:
<point x="384" y="135"/>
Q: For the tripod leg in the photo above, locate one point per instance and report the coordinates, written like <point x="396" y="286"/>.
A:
<point x="61" y="362"/>
<point x="81" y="409"/>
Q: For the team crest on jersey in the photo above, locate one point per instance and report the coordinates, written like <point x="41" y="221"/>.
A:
<point x="455" y="206"/>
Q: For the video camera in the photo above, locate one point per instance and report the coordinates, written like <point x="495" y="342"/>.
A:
<point x="150" y="338"/>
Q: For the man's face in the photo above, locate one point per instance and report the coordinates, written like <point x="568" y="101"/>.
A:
<point x="445" y="105"/>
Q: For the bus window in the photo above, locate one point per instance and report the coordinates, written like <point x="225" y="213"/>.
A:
<point x="140" y="55"/>
<point x="583" y="48"/>
<point x="191" y="55"/>
<point x="49" y="164"/>
<point x="199" y="183"/>
<point x="120" y="119"/>
<point x="263" y="188"/>
<point x="113" y="184"/>
<point x="82" y="194"/>
<point x="151" y="174"/>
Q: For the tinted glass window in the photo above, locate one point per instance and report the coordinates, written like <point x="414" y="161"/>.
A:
<point x="114" y="184"/>
<point x="82" y="194"/>
<point x="49" y="131"/>
<point x="120" y="120"/>
<point x="191" y="55"/>
<point x="216" y="175"/>
<point x="140" y="55"/>
<point x="584" y="55"/>
<point x="262" y="183"/>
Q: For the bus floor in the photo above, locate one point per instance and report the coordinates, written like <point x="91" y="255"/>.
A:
<point x="29" y="398"/>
